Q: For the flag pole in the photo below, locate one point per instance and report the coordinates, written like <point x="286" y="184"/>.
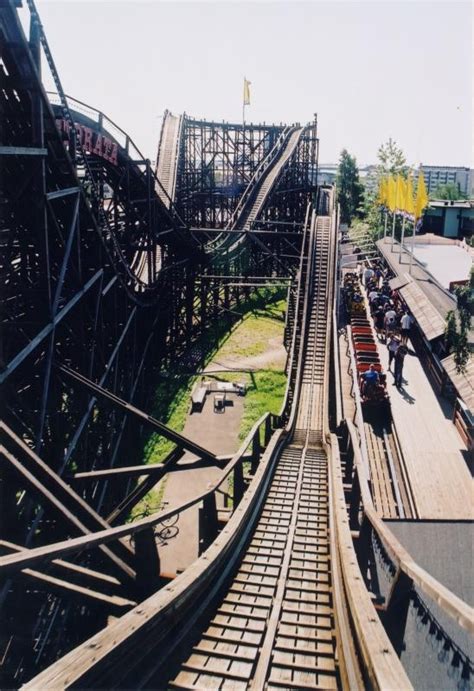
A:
<point x="412" y="246"/>
<point x="393" y="228"/>
<point x="403" y="235"/>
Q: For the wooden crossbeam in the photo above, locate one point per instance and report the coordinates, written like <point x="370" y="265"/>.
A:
<point x="52" y="489"/>
<point x="182" y="441"/>
<point x="118" y="604"/>
<point x="150" y="469"/>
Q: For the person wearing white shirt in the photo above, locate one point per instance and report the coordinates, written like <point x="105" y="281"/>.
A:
<point x="390" y="320"/>
<point x="405" y="324"/>
<point x="368" y="274"/>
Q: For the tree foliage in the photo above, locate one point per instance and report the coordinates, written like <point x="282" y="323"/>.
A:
<point x="449" y="191"/>
<point x="349" y="187"/>
<point x="462" y="352"/>
<point x="391" y="160"/>
<point x="456" y="340"/>
<point x="450" y="332"/>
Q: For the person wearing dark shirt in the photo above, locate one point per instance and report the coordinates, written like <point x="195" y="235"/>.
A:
<point x="399" y="360"/>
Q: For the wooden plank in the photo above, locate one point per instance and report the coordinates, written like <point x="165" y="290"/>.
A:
<point x="381" y="663"/>
<point x="22" y="151"/>
<point x="452" y="605"/>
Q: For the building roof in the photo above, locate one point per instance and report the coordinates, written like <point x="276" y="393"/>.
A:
<point x="399" y="281"/>
<point x="429" y="319"/>
<point x="463" y="382"/>
<point x="428" y="290"/>
<point x="450" y="204"/>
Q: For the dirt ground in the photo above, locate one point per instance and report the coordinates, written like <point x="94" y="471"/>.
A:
<point x="273" y="358"/>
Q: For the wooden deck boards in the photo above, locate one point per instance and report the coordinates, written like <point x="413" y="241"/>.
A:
<point x="441" y="482"/>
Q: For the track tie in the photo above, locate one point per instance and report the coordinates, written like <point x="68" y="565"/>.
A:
<point x="225" y="674"/>
<point x="249" y="652"/>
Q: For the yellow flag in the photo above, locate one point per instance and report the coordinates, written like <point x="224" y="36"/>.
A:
<point x="421" y="197"/>
<point x="246" y="92"/>
<point x="409" y="198"/>
<point x="381" y="194"/>
<point x="391" y="193"/>
<point x="399" y="193"/>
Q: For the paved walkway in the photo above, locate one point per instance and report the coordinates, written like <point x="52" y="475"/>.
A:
<point x="219" y="433"/>
<point x="432" y="448"/>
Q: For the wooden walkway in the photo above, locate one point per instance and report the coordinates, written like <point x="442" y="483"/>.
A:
<point x="432" y="449"/>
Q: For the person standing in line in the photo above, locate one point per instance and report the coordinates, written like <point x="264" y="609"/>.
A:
<point x="405" y="324"/>
<point x="367" y="275"/>
<point x="390" y="319"/>
<point x="392" y="345"/>
<point x="399" y="360"/>
<point x="379" y="321"/>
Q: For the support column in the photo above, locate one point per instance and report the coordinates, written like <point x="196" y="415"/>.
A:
<point x="147" y="562"/>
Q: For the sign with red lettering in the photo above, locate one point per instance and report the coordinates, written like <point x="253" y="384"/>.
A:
<point x="91" y="141"/>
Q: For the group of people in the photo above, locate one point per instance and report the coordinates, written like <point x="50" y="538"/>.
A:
<point x="392" y="322"/>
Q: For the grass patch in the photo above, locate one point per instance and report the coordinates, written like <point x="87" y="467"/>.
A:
<point x="252" y="335"/>
<point x="263" y="316"/>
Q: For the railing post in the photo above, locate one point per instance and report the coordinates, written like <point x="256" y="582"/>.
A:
<point x="147" y="561"/>
<point x="354" y="503"/>
<point x="363" y="546"/>
<point x="238" y="484"/>
<point x="255" y="452"/>
<point x="395" y="616"/>
<point x="268" y="430"/>
<point x="208" y="526"/>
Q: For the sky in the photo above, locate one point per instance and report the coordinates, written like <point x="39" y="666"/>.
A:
<point x="370" y="70"/>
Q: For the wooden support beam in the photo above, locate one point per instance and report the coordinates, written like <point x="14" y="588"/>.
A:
<point x="75" y="573"/>
<point x="155" y="469"/>
<point x="22" y="151"/>
<point x="147" y="562"/>
<point x="165" y="431"/>
<point x="119" y="605"/>
<point x="396" y="613"/>
<point x="119" y="473"/>
<point x="208" y="523"/>
<point x="52" y="489"/>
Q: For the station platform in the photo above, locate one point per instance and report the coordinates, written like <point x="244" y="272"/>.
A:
<point x="398" y="259"/>
<point x="433" y="451"/>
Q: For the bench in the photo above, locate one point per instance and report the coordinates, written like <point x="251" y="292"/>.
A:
<point x="197" y="399"/>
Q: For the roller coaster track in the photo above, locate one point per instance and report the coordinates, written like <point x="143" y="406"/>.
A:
<point x="168" y="155"/>
<point x="264" y="607"/>
<point x="256" y="194"/>
<point x="277" y="598"/>
<point x="134" y="256"/>
<point x="275" y="627"/>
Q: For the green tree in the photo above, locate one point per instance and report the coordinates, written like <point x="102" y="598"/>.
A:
<point x="391" y="160"/>
<point x="462" y="352"/>
<point x="450" y="332"/>
<point x="449" y="191"/>
<point x="349" y="187"/>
